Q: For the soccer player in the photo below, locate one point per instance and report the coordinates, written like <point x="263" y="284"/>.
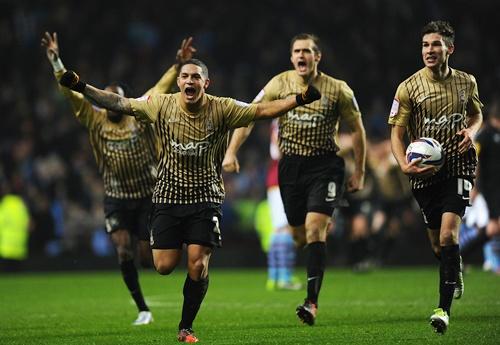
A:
<point x="125" y="153"/>
<point x="488" y="144"/>
<point x="193" y="130"/>
<point x="442" y="103"/>
<point x="311" y="175"/>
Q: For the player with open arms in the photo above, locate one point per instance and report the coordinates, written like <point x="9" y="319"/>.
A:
<point x="126" y="157"/>
<point x="311" y="175"/>
<point x="441" y="103"/>
<point x="193" y="132"/>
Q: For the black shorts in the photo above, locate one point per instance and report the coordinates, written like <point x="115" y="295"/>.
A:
<point x="452" y="195"/>
<point x="311" y="184"/>
<point x="173" y="225"/>
<point x="128" y="214"/>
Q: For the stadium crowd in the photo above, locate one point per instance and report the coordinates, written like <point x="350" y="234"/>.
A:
<point x="45" y="155"/>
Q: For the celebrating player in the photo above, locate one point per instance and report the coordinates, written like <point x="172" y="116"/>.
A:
<point x="126" y="156"/>
<point x="192" y="131"/>
<point x="441" y="103"/>
<point x="311" y="175"/>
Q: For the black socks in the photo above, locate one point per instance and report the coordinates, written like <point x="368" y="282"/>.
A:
<point x="131" y="278"/>
<point x="448" y="275"/>
<point x="316" y="263"/>
<point x="194" y="292"/>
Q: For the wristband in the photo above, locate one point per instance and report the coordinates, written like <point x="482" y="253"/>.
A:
<point x="300" y="99"/>
<point x="57" y="65"/>
<point x="72" y="81"/>
<point x="79" y="86"/>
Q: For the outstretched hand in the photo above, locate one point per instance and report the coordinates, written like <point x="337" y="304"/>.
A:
<point x="310" y="95"/>
<point x="186" y="51"/>
<point x="51" y="45"/>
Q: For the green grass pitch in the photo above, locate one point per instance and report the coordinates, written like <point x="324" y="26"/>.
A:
<point x="389" y="306"/>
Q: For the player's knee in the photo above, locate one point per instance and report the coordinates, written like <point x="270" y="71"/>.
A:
<point x="448" y="238"/>
<point x="315" y="234"/>
<point x="124" y="253"/>
<point x="360" y="227"/>
<point x="299" y="240"/>
<point x="197" y="268"/>
<point x="163" y="267"/>
<point x="317" y="225"/>
<point x="493" y="228"/>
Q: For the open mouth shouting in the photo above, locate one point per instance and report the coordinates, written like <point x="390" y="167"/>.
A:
<point x="302" y="66"/>
<point x="190" y="93"/>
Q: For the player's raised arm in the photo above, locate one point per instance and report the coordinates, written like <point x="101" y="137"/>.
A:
<point x="82" y="108"/>
<point x="278" y="107"/>
<point x="51" y="45"/>
<point x="186" y="51"/>
<point x="105" y="99"/>
<point x="265" y="110"/>
<point x="169" y="78"/>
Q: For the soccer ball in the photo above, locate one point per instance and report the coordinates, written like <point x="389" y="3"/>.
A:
<point x="430" y="150"/>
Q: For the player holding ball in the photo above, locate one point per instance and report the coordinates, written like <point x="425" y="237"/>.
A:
<point x="441" y="103"/>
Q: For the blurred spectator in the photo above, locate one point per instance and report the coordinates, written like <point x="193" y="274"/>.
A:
<point x="14" y="228"/>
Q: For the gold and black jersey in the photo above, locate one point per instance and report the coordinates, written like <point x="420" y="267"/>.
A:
<point x="311" y="130"/>
<point x="125" y="152"/>
<point x="438" y="109"/>
<point x="191" y="145"/>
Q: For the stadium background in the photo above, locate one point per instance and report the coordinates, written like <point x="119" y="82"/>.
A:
<point x="45" y="154"/>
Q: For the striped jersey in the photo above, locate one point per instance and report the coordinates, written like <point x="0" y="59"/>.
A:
<point x="125" y="152"/>
<point x="438" y="109"/>
<point x="191" y="145"/>
<point x="311" y="129"/>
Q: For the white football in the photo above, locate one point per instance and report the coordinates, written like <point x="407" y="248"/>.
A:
<point x="430" y="150"/>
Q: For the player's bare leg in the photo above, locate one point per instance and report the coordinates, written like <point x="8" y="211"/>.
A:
<point x="166" y="260"/>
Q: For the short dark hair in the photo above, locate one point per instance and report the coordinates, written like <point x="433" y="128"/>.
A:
<point x="199" y="63"/>
<point x="306" y="36"/>
<point x="440" y="27"/>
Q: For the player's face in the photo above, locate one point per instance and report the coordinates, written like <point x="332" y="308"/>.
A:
<point x="304" y="58"/>
<point x="112" y="115"/>
<point x="192" y="83"/>
<point x="434" y="50"/>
